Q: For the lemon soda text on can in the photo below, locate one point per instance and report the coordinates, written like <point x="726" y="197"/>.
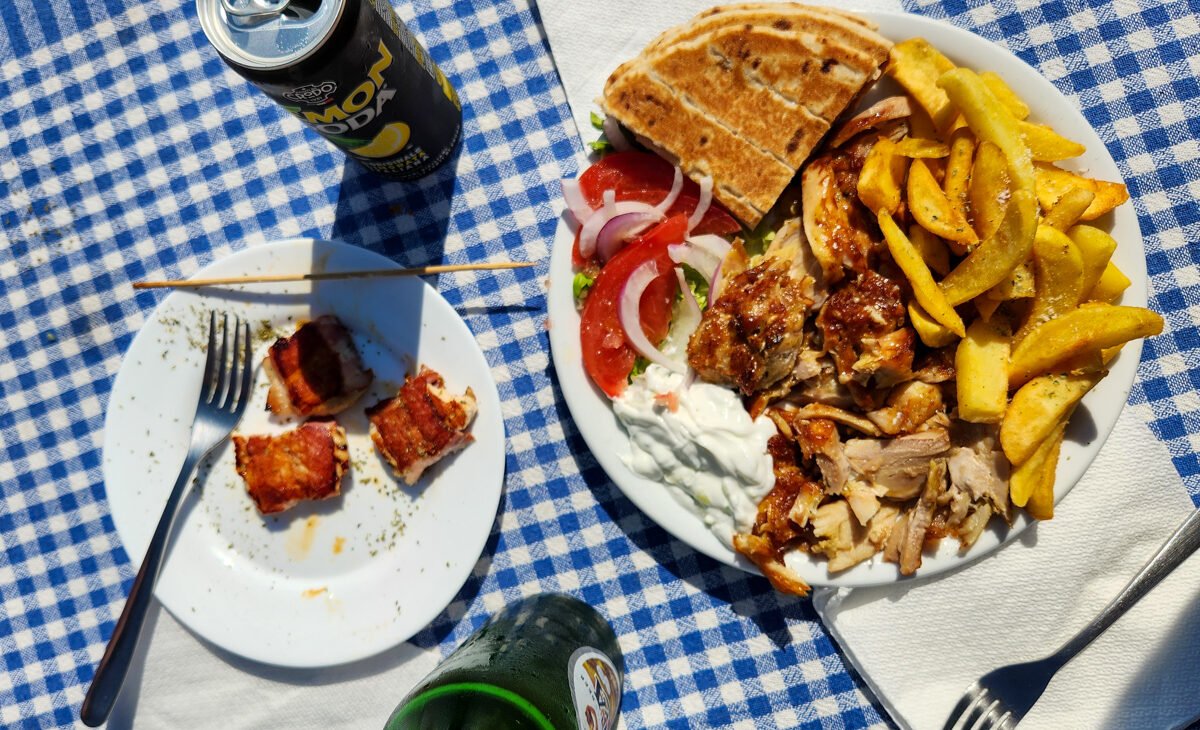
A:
<point x="350" y="69"/>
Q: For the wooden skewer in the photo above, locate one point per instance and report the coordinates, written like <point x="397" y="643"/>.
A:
<point x="276" y="278"/>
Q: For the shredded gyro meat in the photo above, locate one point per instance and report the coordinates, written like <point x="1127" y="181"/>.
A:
<point x="900" y="464"/>
<point x="819" y="442"/>
<point x="920" y="516"/>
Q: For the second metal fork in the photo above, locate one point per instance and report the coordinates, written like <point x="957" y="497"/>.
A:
<point x="1000" y="698"/>
<point x="224" y="392"/>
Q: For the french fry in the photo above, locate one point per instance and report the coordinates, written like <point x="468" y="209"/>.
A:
<point x="1058" y="278"/>
<point x="916" y="65"/>
<point x="988" y="190"/>
<point x="1046" y="145"/>
<point x="1027" y="478"/>
<point x="1069" y="207"/>
<point x="933" y="249"/>
<point x="986" y="307"/>
<point x="981" y="367"/>
<point x="925" y="289"/>
<point x="958" y="169"/>
<point x="1041" y="502"/>
<point x="1111" y="285"/>
<point x="930" y="207"/>
<point x="991" y="122"/>
<point x="1053" y="183"/>
<point x="1037" y="408"/>
<point x="996" y="257"/>
<point x="880" y="178"/>
<point x="1017" y="285"/>
<point x="1096" y="247"/>
<point x="1087" y="327"/>
<point x="920" y="126"/>
<point x="1007" y="97"/>
<point x="923" y="148"/>
<point x="931" y="333"/>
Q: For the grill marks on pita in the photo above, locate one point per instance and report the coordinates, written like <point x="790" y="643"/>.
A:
<point x="743" y="93"/>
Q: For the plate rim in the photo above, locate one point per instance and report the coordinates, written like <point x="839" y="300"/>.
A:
<point x="326" y="655"/>
<point x="560" y="306"/>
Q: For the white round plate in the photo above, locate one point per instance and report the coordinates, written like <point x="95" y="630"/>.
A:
<point x="1089" y="428"/>
<point x="325" y="582"/>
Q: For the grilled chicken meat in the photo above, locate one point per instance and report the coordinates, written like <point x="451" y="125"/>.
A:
<point x="839" y="228"/>
<point x="920" y="517"/>
<point x="782" y="516"/>
<point x="750" y="338"/>
<point x="315" y="372"/>
<point x="846" y="541"/>
<point x="819" y="442"/>
<point x="859" y="323"/>
<point x="909" y="406"/>
<point x="305" y="463"/>
<point x="421" y="424"/>
<point x="899" y="465"/>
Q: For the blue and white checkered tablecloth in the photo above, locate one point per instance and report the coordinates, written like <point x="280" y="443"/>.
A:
<point x="129" y="151"/>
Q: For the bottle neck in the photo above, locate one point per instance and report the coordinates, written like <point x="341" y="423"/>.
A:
<point x="414" y="708"/>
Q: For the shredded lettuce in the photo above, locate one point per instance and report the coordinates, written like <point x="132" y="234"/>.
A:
<point x="597" y="121"/>
<point x="639" y="367"/>
<point x="601" y="146"/>
<point x="757" y="240"/>
<point x="580" y="286"/>
<point x="698" y="284"/>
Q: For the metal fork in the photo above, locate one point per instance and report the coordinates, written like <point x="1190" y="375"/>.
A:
<point x="224" y="392"/>
<point x="1000" y="698"/>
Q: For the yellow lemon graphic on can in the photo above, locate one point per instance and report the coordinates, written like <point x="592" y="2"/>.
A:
<point x="390" y="140"/>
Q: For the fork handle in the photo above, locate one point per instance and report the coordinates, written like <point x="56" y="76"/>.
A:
<point x="1174" y="551"/>
<point x="118" y="655"/>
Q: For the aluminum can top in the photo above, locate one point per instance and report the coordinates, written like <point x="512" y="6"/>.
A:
<point x="268" y="34"/>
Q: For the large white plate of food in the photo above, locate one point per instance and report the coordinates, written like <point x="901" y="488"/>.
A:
<point x="853" y="298"/>
<point x="358" y="490"/>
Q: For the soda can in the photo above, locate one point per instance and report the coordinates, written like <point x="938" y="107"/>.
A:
<point x="349" y="69"/>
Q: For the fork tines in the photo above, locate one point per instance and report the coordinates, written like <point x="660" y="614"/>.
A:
<point x="977" y="710"/>
<point x="228" y="372"/>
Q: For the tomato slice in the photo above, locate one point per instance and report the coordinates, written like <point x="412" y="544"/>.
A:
<point x="607" y="356"/>
<point x="716" y="219"/>
<point x="648" y="178"/>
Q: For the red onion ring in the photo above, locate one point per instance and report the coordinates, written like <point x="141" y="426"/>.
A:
<point x="619" y="229"/>
<point x="612" y="132"/>
<point x="573" y="194"/>
<point x="706" y="185"/>
<point x="631" y="318"/>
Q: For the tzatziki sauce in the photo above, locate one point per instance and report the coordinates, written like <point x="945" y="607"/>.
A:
<point x="700" y="442"/>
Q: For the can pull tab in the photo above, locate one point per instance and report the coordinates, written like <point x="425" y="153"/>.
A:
<point x="247" y="9"/>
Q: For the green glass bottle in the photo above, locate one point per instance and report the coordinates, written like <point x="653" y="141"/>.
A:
<point x="547" y="662"/>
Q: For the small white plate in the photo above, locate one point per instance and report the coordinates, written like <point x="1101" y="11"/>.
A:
<point x="325" y="582"/>
<point x="1089" y="428"/>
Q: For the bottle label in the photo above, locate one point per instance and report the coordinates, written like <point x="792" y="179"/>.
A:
<point x="595" y="689"/>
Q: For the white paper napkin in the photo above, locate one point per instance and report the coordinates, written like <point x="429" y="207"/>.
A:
<point x="921" y="644"/>
<point x="589" y="40"/>
<point x="180" y="681"/>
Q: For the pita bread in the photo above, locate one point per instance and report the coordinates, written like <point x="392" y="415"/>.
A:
<point x="743" y="93"/>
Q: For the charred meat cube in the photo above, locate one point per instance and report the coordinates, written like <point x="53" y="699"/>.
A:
<point x="315" y="372"/>
<point x="305" y="463"/>
<point x="421" y="424"/>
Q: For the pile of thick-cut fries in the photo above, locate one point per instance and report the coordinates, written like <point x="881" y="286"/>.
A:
<point x="1025" y="288"/>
